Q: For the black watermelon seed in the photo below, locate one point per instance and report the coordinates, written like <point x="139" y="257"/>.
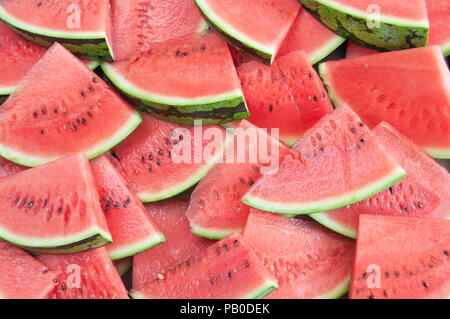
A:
<point x="212" y="281"/>
<point x="83" y="121"/>
<point x="74" y="127"/>
<point x="160" y="152"/>
<point x="46" y="270"/>
<point x="371" y="297"/>
<point x="167" y="141"/>
<point x="310" y="75"/>
<point x="251" y="182"/>
<point x="364" y="275"/>
<point x="143" y="159"/>
<point x="16" y="200"/>
<point x="89" y="114"/>
<point x="45" y="203"/>
<point x="315" y="98"/>
<point x="391" y="190"/>
<point x="397" y="274"/>
<point x="60" y="210"/>
<point x="184" y="54"/>
<point x="42" y="131"/>
<point x="116" y="205"/>
<point x="386" y="274"/>
<point x="44" y="110"/>
<point x="55" y="111"/>
<point x="107" y="206"/>
<point x="385" y="293"/>
<point x="236" y="243"/>
<point x="94" y="79"/>
<point x="149" y="168"/>
<point x="203" y="48"/>
<point x="125" y="205"/>
<point x="150" y="157"/>
<point x="30" y="204"/>
<point x="322" y="149"/>
<point x="246" y="264"/>
<point x="419" y="204"/>
<point x="110" y="201"/>
<point x="39" y="4"/>
<point x="361" y="124"/>
<point x="82" y="94"/>
<point x="158" y="163"/>
<point x="446" y="252"/>
<point x="426" y="285"/>
<point x="35" y="114"/>
<point x="362" y="140"/>
<point x="230" y="274"/>
<point x="55" y="280"/>
<point x="128" y="200"/>
<point x="90" y="88"/>
<point x="323" y="95"/>
<point x="177" y="53"/>
<point x="353" y="130"/>
<point x="270" y="108"/>
<point x="226" y="247"/>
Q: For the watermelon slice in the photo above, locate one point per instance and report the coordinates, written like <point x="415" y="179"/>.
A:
<point x="313" y="37"/>
<point x="399" y="258"/>
<point x="58" y="212"/>
<point x="228" y="269"/>
<point x="409" y="89"/>
<point x="318" y="175"/>
<point x="313" y="263"/>
<point x="181" y="244"/>
<point x="8" y="168"/>
<point x="146" y="158"/>
<point x="86" y="275"/>
<point x="289" y="95"/>
<point x="123" y="266"/>
<point x="83" y="27"/>
<point x="215" y="210"/>
<point x="377" y="24"/>
<point x="262" y="31"/>
<point x="23" y="277"/>
<point x="62" y="108"/>
<point x="131" y="228"/>
<point x="424" y="192"/>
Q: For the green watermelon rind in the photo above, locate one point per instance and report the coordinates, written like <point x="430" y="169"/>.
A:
<point x="212" y="233"/>
<point x="29" y="160"/>
<point x="123" y="266"/>
<point x="352" y="25"/>
<point x="445" y="48"/>
<point x="89" y="45"/>
<point x="336" y="293"/>
<point x="325" y="50"/>
<point x="139" y="246"/>
<point x="324" y="219"/>
<point x="330" y="203"/>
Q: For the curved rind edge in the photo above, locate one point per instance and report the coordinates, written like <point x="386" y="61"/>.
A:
<point x="137" y="247"/>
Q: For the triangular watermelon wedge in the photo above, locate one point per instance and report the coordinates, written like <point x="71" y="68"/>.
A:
<point x="401" y="258"/>
<point x="424" y="192"/>
<point x="337" y="163"/>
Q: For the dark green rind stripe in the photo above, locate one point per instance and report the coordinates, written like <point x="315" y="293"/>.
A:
<point x="387" y="37"/>
<point x="90" y="49"/>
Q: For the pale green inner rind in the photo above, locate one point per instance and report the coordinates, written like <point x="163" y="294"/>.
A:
<point x="438" y="153"/>
<point x="325" y="220"/>
<point x="329" y="203"/>
<point x="136" y="247"/>
<point x="212" y="233"/>
<point x="340" y="290"/>
<point x="325" y="50"/>
<point x="266" y="288"/>
<point x="123" y="267"/>
<point x="445" y="48"/>
<point x="7" y="90"/>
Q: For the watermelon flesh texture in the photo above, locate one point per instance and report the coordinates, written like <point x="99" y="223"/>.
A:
<point x="263" y="30"/>
<point x="338" y="162"/>
<point x="228" y="269"/>
<point x="138" y="24"/>
<point x="313" y="263"/>
<point x="424" y="192"/>
<point x="23" y="277"/>
<point x="215" y="210"/>
<point x="180" y="245"/>
<point x="59" y="212"/>
<point x="131" y="228"/>
<point x="86" y="275"/>
<point x="409" y="89"/>
<point x="8" y="168"/>
<point x="154" y="173"/>
<point x="61" y="108"/>
<point x="289" y="95"/>
<point x="410" y="255"/>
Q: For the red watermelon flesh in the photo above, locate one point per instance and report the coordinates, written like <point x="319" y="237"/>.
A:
<point x="137" y="24"/>
<point x="180" y="245"/>
<point x="354" y="51"/>
<point x="289" y="95"/>
<point x="131" y="228"/>
<point x="409" y="89"/>
<point x="61" y="108"/>
<point x="22" y="276"/>
<point x="228" y="269"/>
<point x="8" y="168"/>
<point x="215" y="210"/>
<point x="401" y="258"/>
<point x="337" y="163"/>
<point x="87" y="275"/>
<point x="313" y="261"/>
<point x="146" y="157"/>
<point x="239" y="58"/>
<point x="58" y="212"/>
<point x="424" y="192"/>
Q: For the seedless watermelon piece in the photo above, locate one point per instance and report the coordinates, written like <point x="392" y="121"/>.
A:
<point x="61" y="108"/>
<point x="255" y="27"/>
<point x="86" y="275"/>
<point x="215" y="210"/>
<point x="381" y="24"/>
<point x="53" y="208"/>
<point x="228" y="269"/>
<point x="438" y="13"/>
<point x="83" y="27"/>
<point x="424" y="192"/>
<point x="313" y="37"/>
<point x="313" y="261"/>
<point x="123" y="265"/>
<point x="23" y="277"/>
<point x="337" y="163"/>
<point x="131" y="228"/>
<point x="400" y="258"/>
<point x="409" y="89"/>
<point x="146" y="157"/>
<point x="180" y="245"/>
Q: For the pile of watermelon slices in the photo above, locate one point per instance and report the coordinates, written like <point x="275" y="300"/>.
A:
<point x="208" y="149"/>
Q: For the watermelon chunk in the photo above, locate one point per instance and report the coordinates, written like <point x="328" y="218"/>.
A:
<point x="146" y="158"/>
<point x="228" y="269"/>
<point x="289" y="95"/>
<point x="313" y="263"/>
<point x="59" y="212"/>
<point x="83" y="27"/>
<point x="180" y="245"/>
<point x="23" y="277"/>
<point x="399" y="258"/>
<point x="131" y="228"/>
<point x="424" y="192"/>
<point x="215" y="210"/>
<point x="86" y="275"/>
<point x="409" y="89"/>
<point x="61" y="108"/>
<point x="262" y="31"/>
<point x="337" y="163"/>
